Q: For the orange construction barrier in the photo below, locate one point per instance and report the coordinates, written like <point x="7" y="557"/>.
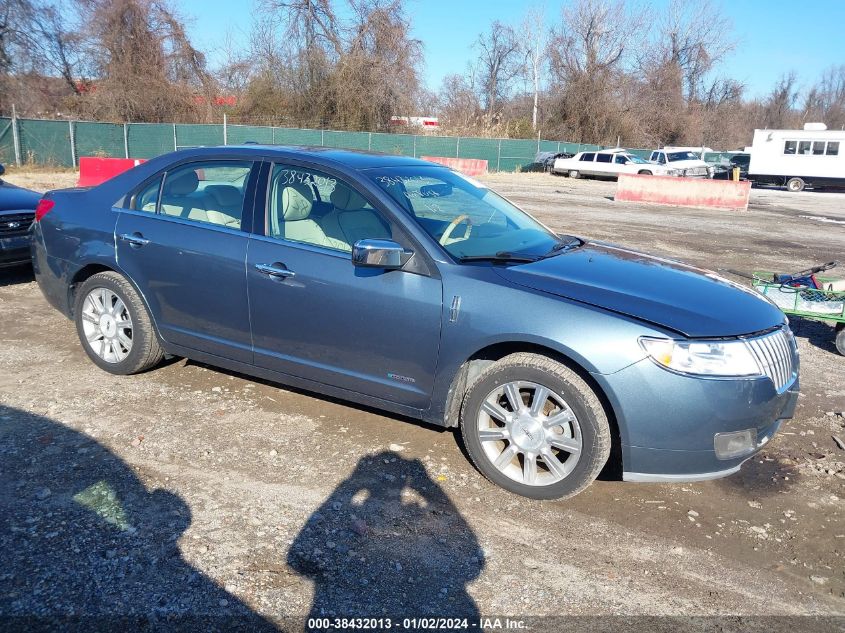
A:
<point x="685" y="192"/>
<point x="468" y="166"/>
<point x="94" y="170"/>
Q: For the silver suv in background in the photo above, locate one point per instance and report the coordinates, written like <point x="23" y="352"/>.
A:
<point x="685" y="162"/>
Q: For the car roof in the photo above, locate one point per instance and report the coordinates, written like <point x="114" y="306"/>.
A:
<point x="353" y="159"/>
<point x="343" y="160"/>
<point x="615" y="150"/>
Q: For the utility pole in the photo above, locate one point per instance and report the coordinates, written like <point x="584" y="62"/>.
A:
<point x="16" y="139"/>
<point x="72" y="137"/>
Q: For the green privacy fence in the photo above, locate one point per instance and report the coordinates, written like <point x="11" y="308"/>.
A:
<point x="61" y="143"/>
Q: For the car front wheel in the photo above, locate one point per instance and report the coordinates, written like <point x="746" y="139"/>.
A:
<point x="534" y="427"/>
<point x="114" y="326"/>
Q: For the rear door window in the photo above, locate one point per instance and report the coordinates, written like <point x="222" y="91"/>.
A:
<point x="804" y="147"/>
<point x="209" y="192"/>
<point x="818" y="148"/>
<point x="604" y="158"/>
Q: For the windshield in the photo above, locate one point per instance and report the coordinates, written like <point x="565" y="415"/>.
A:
<point x="464" y="216"/>
<point x="683" y="156"/>
<point x="636" y="159"/>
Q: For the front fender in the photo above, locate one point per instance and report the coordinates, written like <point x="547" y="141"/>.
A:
<point x="492" y="312"/>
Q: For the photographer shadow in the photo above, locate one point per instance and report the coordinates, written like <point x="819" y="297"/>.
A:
<point x="388" y="542"/>
<point x="85" y="546"/>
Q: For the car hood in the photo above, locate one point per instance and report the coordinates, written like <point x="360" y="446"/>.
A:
<point x="14" y="198"/>
<point x="688" y="300"/>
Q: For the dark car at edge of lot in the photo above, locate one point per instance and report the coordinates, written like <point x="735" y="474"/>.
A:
<point x="17" y="211"/>
<point x="406" y="286"/>
<point x="725" y="172"/>
<point x="546" y="160"/>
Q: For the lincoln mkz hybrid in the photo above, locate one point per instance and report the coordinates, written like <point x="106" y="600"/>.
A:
<point x="406" y="286"/>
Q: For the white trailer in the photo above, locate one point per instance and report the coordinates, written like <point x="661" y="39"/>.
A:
<point x="814" y="156"/>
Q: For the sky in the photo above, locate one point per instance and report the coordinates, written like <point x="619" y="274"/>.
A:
<point x="773" y="37"/>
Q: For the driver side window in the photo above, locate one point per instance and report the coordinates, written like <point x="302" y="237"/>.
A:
<point x="315" y="208"/>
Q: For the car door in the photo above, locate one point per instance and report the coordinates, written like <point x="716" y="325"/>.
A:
<point x="315" y="315"/>
<point x="183" y="240"/>
<point x="604" y="164"/>
<point x="622" y="165"/>
<point x="586" y="163"/>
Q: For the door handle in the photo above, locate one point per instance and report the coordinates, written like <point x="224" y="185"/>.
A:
<point x="275" y="270"/>
<point x="135" y="240"/>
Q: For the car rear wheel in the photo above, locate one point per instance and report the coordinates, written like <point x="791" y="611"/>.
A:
<point x="534" y="427"/>
<point x="114" y="326"/>
<point x="574" y="173"/>
<point x="644" y="172"/>
<point x="840" y="338"/>
<point x="795" y="184"/>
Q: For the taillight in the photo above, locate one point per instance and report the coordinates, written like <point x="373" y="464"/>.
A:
<point x="44" y="207"/>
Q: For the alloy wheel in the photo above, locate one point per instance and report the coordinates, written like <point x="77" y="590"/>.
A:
<point x="107" y="325"/>
<point x="529" y="433"/>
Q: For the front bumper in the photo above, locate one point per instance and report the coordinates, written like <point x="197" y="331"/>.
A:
<point x="668" y="421"/>
<point x="14" y="250"/>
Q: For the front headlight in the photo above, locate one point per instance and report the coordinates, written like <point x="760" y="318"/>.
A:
<point x="702" y="358"/>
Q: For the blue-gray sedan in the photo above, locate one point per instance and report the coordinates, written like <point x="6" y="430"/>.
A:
<point x="406" y="286"/>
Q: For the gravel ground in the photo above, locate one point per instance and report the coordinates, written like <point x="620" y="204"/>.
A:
<point x="191" y="492"/>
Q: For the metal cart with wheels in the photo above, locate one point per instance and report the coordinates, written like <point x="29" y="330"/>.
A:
<point x="808" y="296"/>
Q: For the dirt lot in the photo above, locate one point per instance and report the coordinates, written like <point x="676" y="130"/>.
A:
<point x="192" y="490"/>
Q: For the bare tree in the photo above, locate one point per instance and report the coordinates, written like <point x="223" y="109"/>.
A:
<point x="144" y="65"/>
<point x="825" y="100"/>
<point x="234" y="72"/>
<point x="498" y="64"/>
<point x="460" y="110"/>
<point x="321" y="49"/>
<point x="589" y="50"/>
<point x="693" y="35"/>
<point x="36" y="45"/>
<point x="534" y="26"/>
<point x="779" y="106"/>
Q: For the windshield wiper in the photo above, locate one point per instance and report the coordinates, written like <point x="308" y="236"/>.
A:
<point x="562" y="247"/>
<point x="501" y="256"/>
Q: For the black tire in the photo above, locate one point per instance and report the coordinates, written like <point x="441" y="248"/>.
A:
<point x="644" y="172"/>
<point x="145" y="351"/>
<point x="840" y="338"/>
<point x="581" y="399"/>
<point x="795" y="185"/>
<point x="574" y="173"/>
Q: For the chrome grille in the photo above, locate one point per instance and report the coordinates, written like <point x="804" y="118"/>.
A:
<point x="15" y="224"/>
<point x="777" y="356"/>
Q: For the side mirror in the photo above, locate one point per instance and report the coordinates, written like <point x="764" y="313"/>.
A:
<point x="385" y="254"/>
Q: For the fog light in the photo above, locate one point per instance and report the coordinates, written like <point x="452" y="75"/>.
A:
<point x="736" y="444"/>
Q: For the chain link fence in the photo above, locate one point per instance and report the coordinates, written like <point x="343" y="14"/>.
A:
<point x="61" y="143"/>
